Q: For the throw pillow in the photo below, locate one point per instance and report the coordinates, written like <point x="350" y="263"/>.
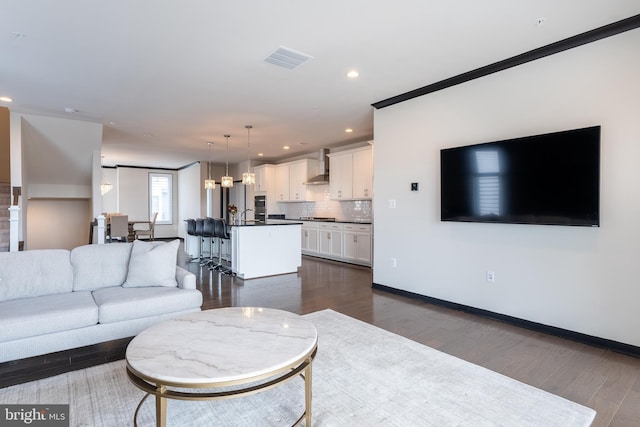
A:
<point x="152" y="264"/>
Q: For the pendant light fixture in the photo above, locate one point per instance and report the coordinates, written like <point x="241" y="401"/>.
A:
<point x="209" y="184"/>
<point x="105" y="186"/>
<point x="248" y="178"/>
<point x="227" y="181"/>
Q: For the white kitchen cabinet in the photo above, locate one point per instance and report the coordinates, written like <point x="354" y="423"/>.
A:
<point x="351" y="174"/>
<point x="265" y="178"/>
<point x="348" y="242"/>
<point x="299" y="173"/>
<point x="291" y="178"/>
<point x="282" y="182"/>
<point x="330" y="237"/>
<point x="363" y="174"/>
<point x="249" y="259"/>
<point x="340" y="176"/>
<point x="310" y="233"/>
<point x="357" y="243"/>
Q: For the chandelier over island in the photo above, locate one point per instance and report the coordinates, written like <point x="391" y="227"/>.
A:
<point x="209" y="184"/>
<point x="248" y="178"/>
<point x="227" y="181"/>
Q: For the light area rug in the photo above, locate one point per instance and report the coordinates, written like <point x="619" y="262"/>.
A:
<point x="362" y="376"/>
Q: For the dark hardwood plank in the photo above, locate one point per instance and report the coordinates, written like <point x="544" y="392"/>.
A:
<point x="621" y="373"/>
<point x="629" y="412"/>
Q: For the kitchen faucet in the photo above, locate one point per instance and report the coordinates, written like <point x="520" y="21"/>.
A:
<point x="244" y="213"/>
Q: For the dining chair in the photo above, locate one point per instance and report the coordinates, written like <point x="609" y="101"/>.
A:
<point x="146" y="229"/>
<point x="119" y="228"/>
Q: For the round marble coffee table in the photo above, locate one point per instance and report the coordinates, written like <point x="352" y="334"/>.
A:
<point x="234" y="351"/>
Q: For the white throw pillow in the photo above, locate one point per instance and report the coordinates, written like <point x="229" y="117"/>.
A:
<point x="152" y="264"/>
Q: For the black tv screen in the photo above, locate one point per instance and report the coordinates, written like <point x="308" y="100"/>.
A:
<point x="551" y="179"/>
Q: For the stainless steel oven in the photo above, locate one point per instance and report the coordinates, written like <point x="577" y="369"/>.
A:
<point x="260" y="206"/>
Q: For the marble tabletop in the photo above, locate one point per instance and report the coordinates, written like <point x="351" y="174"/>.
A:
<point x="216" y="347"/>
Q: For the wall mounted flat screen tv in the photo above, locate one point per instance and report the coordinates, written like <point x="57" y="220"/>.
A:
<point x="551" y="179"/>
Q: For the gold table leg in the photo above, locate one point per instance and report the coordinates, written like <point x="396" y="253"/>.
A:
<point x="161" y="407"/>
<point x="307" y="393"/>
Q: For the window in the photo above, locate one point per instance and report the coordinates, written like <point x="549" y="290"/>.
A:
<point x="161" y="191"/>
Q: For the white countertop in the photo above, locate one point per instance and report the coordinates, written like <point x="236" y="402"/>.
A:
<point x="218" y="346"/>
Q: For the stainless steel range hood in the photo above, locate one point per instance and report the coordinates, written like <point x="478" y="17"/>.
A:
<point x="323" y="167"/>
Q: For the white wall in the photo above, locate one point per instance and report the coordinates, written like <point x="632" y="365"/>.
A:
<point x="577" y="278"/>
<point x="109" y="200"/>
<point x="15" y="136"/>
<point x="57" y="155"/>
<point x="53" y="160"/>
<point x="189" y="188"/>
<point x="58" y="223"/>
<point x="133" y="198"/>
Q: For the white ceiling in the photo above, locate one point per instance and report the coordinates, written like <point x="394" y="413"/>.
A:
<point x="165" y="77"/>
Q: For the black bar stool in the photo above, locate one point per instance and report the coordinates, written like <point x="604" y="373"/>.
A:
<point x="221" y="232"/>
<point x="208" y="233"/>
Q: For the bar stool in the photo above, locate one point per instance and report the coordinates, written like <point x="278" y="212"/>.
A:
<point x="221" y="232"/>
<point x="208" y="232"/>
<point x="198" y="234"/>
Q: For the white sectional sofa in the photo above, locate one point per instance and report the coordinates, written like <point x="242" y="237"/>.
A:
<point x="55" y="299"/>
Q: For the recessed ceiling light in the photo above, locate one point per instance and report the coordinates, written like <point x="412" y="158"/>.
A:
<point x="70" y="110"/>
<point x="260" y="154"/>
<point x="286" y="147"/>
<point x="353" y="74"/>
<point x="348" y="130"/>
<point x="5" y="99"/>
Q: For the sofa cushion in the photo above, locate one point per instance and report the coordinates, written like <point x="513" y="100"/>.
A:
<point x="153" y="264"/>
<point x="100" y="266"/>
<point x="29" y="317"/>
<point x="118" y="303"/>
<point x="34" y="273"/>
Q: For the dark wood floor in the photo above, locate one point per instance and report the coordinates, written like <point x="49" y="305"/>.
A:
<point x="603" y="380"/>
<point x="606" y="381"/>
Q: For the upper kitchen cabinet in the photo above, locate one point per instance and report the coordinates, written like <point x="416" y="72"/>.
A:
<point x="299" y="173"/>
<point x="265" y="178"/>
<point x="282" y="182"/>
<point x="341" y="176"/>
<point x="363" y="174"/>
<point x="351" y="174"/>
<point x="291" y="178"/>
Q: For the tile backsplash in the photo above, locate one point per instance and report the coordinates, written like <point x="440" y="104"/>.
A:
<point x="323" y="206"/>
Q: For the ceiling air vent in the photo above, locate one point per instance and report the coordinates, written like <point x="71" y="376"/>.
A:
<point x="287" y="58"/>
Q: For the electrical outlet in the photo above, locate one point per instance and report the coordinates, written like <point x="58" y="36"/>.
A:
<point x="491" y="276"/>
<point x="392" y="203"/>
<point x="394" y="262"/>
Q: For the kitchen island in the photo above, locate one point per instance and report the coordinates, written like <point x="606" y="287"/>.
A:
<point x="259" y="249"/>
